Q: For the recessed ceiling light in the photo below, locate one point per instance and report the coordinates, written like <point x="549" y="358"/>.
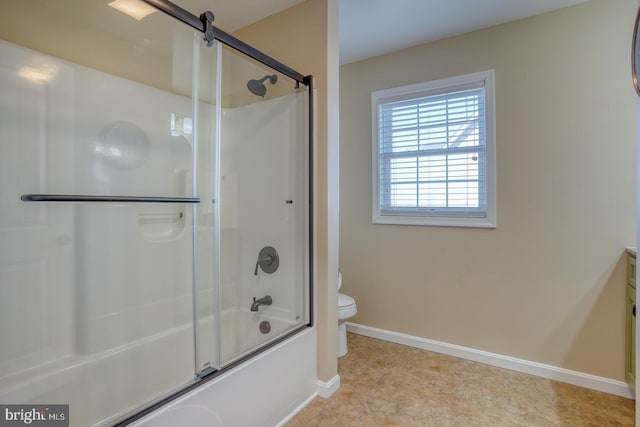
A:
<point x="134" y="8"/>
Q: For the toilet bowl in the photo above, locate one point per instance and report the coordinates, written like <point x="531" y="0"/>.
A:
<point x="346" y="310"/>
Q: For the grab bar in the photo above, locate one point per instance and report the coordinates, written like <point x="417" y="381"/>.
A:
<point x="90" y="198"/>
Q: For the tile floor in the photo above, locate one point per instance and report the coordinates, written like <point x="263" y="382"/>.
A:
<point x="386" y="384"/>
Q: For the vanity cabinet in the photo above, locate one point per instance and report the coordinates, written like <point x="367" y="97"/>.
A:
<point x="630" y="356"/>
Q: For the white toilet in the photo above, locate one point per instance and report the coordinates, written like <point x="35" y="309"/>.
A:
<point x="346" y="310"/>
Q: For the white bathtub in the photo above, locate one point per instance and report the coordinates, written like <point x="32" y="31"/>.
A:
<point x="103" y="387"/>
<point x="261" y="392"/>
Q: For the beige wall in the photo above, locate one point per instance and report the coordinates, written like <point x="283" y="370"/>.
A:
<point x="548" y="284"/>
<point x="304" y="38"/>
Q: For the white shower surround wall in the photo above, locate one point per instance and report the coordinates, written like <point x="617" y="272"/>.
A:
<point x="158" y="330"/>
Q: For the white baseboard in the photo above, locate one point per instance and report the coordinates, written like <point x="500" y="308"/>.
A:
<point x="327" y="389"/>
<point x="581" y="379"/>
<point x="295" y="411"/>
<point x="323" y="390"/>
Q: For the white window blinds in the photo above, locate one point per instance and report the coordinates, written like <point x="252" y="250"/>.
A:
<point x="431" y="151"/>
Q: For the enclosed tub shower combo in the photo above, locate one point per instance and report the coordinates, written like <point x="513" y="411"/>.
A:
<point x="155" y="217"/>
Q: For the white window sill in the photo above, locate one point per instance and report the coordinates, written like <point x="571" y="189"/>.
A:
<point x="434" y="221"/>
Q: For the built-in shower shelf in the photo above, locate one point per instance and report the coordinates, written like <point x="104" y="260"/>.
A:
<point x="94" y="198"/>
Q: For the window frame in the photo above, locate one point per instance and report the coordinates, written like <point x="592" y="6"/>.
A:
<point x="409" y="216"/>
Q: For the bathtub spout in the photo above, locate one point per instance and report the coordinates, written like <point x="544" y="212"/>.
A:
<point x="266" y="300"/>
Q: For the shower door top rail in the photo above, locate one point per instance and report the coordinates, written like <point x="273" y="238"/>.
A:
<point x="204" y="25"/>
<point x="94" y="198"/>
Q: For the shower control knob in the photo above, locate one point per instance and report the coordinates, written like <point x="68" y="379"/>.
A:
<point x="268" y="260"/>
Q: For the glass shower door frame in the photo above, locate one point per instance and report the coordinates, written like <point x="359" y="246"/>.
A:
<point x="211" y="34"/>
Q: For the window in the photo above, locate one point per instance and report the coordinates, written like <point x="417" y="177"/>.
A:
<point x="434" y="153"/>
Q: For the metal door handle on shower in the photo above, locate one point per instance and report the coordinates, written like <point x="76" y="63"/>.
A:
<point x="263" y="261"/>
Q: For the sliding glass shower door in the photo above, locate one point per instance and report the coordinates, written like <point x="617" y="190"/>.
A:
<point x="99" y="212"/>
<point x="154" y="209"/>
<point x="263" y="210"/>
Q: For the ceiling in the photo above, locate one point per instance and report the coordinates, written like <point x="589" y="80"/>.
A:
<point x="231" y="15"/>
<point x="374" y="27"/>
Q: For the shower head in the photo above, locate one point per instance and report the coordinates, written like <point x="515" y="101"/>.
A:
<point x="257" y="87"/>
